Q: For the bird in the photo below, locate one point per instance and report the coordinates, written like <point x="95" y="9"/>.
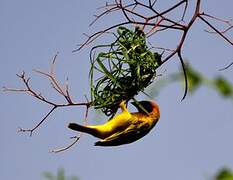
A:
<point x="125" y="127"/>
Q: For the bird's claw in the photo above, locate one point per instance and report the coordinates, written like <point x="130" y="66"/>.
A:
<point x="123" y="106"/>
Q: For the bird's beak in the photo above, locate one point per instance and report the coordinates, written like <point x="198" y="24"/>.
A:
<point x="135" y="104"/>
<point x="139" y="106"/>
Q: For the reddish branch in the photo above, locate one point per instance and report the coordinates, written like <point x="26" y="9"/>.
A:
<point x="62" y="90"/>
<point x="158" y="22"/>
<point x="76" y="138"/>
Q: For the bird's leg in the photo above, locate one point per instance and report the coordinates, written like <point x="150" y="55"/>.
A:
<point x="123" y="107"/>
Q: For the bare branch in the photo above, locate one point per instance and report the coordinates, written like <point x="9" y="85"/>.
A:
<point x="164" y="49"/>
<point x="215" y="29"/>
<point x="131" y="14"/>
<point x="37" y="125"/>
<point x="66" y="147"/>
<point x="28" y="89"/>
<point x="94" y="36"/>
<point x="227" y="22"/>
<point x="75" y="137"/>
<point x="63" y="91"/>
<point x="151" y="4"/>
<point x="185" y="9"/>
<point x="185" y="74"/>
<point x="55" y="84"/>
<point x="97" y="17"/>
<point x="223" y="31"/>
<point x="224" y="68"/>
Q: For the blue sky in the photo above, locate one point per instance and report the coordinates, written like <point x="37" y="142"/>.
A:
<point x="191" y="141"/>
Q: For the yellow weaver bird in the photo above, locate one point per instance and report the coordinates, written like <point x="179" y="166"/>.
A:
<point x="125" y="127"/>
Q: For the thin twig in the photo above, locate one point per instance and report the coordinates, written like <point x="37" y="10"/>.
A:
<point x="185" y="75"/>
<point x="216" y="30"/>
<point x="55" y="84"/>
<point x="58" y="150"/>
<point x="37" y="125"/>
<point x="75" y="137"/>
<point x="224" y="68"/>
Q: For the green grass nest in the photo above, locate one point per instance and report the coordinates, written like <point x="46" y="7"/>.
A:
<point x="125" y="68"/>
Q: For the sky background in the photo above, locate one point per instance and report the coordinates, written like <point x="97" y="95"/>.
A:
<point x="192" y="140"/>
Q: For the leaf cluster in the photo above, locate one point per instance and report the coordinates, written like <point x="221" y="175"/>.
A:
<point x="60" y="176"/>
<point x="224" y="174"/>
<point x="219" y="83"/>
<point x="195" y="80"/>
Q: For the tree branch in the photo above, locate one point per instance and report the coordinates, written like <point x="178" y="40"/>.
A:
<point x="63" y="91"/>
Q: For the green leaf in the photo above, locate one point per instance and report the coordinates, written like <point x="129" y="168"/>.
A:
<point x="49" y="176"/>
<point x="194" y="79"/>
<point x="223" y="86"/>
<point x="224" y="174"/>
<point x="60" y="174"/>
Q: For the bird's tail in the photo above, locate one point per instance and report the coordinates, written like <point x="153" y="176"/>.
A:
<point x="80" y="128"/>
<point x="85" y="129"/>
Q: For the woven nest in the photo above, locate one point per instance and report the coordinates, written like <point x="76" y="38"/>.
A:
<point x="125" y="68"/>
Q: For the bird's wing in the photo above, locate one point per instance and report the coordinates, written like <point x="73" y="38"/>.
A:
<point x="131" y="134"/>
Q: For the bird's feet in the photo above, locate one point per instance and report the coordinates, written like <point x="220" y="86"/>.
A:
<point x="123" y="106"/>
